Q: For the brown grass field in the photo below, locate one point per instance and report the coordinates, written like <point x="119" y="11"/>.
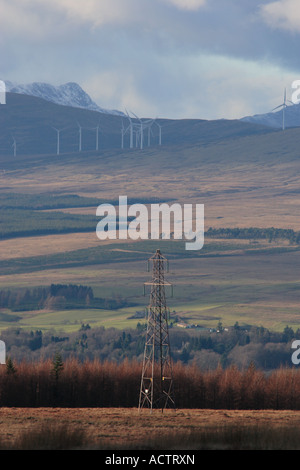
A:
<point x="255" y="188"/>
<point x="120" y="428"/>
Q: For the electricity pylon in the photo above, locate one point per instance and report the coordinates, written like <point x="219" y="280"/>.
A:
<point x="156" y="389"/>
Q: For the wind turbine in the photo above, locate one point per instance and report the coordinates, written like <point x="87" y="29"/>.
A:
<point x="97" y="138"/>
<point x="141" y="131"/>
<point x="58" y="140"/>
<point x="97" y="135"/>
<point x="159" y="135"/>
<point x="149" y="136"/>
<point x="14" y="146"/>
<point x="148" y="125"/>
<point x="122" y="135"/>
<point x="283" y="106"/>
<point x="131" y="130"/>
<point x="80" y="137"/>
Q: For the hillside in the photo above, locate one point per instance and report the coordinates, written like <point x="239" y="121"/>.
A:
<point x="245" y="175"/>
<point x="275" y="119"/>
<point x="30" y="120"/>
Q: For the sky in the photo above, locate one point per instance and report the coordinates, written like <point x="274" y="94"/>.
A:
<point x="203" y="59"/>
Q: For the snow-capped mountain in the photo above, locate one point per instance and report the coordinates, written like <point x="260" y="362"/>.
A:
<point x="275" y="119"/>
<point x="68" y="94"/>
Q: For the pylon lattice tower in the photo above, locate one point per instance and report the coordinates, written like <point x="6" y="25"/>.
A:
<point x="156" y="389"/>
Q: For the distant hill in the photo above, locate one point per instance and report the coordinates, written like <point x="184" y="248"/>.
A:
<point x="275" y="119"/>
<point x="68" y="94"/>
<point x="31" y="121"/>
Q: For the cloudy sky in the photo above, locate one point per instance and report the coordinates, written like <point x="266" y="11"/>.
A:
<point x="206" y="59"/>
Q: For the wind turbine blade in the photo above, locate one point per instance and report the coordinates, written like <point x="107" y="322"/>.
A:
<point x="128" y="116"/>
<point x="135" y="116"/>
<point x="277" y="107"/>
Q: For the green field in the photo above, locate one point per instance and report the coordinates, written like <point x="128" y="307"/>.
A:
<point x="249" y="286"/>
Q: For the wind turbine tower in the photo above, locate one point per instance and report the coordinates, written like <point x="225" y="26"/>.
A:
<point x="149" y="135"/>
<point x="58" y="131"/>
<point x="80" y="137"/>
<point x="283" y="106"/>
<point x="14" y="146"/>
<point x="159" y="135"/>
<point x="97" y="136"/>
<point x="130" y="130"/>
<point x="140" y="133"/>
<point x="123" y="132"/>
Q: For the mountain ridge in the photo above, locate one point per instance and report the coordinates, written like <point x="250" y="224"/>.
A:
<point x="33" y="121"/>
<point x="72" y="94"/>
<point x="67" y="94"/>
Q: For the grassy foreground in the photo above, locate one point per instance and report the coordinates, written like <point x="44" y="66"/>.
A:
<point x="129" y="429"/>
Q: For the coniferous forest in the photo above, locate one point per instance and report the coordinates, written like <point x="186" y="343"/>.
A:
<point x="107" y="384"/>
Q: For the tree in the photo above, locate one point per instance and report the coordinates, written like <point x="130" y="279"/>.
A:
<point x="58" y="365"/>
<point x="10" y="368"/>
<point x="220" y="327"/>
<point x="288" y="334"/>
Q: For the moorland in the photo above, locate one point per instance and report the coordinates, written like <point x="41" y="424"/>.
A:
<point x="242" y="287"/>
<point x="247" y="178"/>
